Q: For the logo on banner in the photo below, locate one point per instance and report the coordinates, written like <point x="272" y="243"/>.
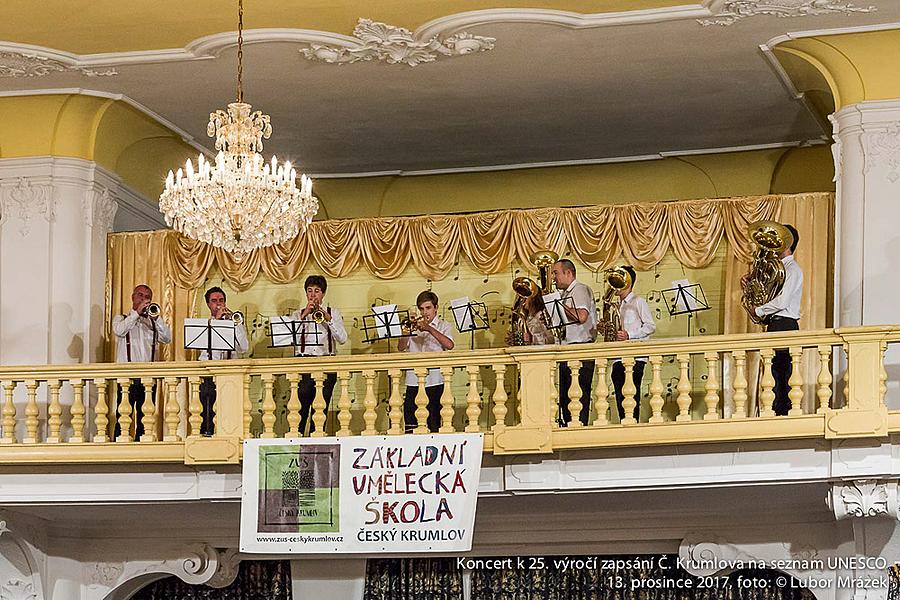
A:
<point x="299" y="488"/>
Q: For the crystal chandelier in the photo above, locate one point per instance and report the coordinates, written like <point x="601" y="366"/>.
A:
<point x="240" y="202"/>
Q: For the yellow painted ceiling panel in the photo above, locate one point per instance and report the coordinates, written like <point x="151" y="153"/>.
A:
<point x="93" y="26"/>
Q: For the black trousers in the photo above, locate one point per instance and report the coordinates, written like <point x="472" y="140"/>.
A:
<point x="781" y="365"/>
<point x="306" y="391"/>
<point x="207" y="400"/>
<point x="434" y="394"/>
<point x="618" y="379"/>
<point x="585" y="380"/>
<point x="136" y="399"/>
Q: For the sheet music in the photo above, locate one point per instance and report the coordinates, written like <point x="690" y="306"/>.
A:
<point x="209" y="334"/>
<point x="282" y="329"/>
<point x="387" y="321"/>
<point x="461" y="314"/>
<point x="686" y="300"/>
<point x="553" y="299"/>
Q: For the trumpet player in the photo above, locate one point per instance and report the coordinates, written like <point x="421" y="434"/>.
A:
<point x="782" y="313"/>
<point x="583" y="330"/>
<point x="637" y="323"/>
<point x="322" y="327"/>
<point x="432" y="334"/>
<point x="215" y="301"/>
<point x="137" y="336"/>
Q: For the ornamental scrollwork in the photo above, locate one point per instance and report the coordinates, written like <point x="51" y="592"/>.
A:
<point x="21" y="64"/>
<point x="376" y="41"/>
<point x="735" y="10"/>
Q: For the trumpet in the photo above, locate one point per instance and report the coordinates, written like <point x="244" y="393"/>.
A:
<point x="236" y="316"/>
<point x="317" y="315"/>
<point x="410" y="323"/>
<point x="152" y="311"/>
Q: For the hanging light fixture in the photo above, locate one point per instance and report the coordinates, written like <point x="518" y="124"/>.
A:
<point x="240" y="202"/>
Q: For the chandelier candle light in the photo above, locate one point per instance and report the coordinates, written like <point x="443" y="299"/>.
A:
<point x="240" y="202"/>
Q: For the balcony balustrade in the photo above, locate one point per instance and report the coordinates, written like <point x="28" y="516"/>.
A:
<point x="706" y="389"/>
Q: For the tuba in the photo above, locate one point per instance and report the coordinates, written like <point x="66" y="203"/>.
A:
<point x="766" y="276"/>
<point x="617" y="278"/>
<point x="526" y="289"/>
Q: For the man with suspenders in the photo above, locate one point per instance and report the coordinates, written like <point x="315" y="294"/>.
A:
<point x="317" y="339"/>
<point x="137" y="336"/>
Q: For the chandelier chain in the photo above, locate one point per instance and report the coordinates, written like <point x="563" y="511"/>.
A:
<point x="240" y="53"/>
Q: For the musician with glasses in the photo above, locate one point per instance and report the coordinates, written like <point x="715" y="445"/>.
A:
<point x="583" y="330"/>
<point x="321" y="330"/>
<point x="215" y="301"/>
<point x="138" y="335"/>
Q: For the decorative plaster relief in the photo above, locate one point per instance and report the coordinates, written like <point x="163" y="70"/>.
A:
<point x="20" y="64"/>
<point x="735" y="10"/>
<point x="227" y="569"/>
<point x="862" y="498"/>
<point x="396" y="45"/>
<point x="99" y="209"/>
<point x="103" y="573"/>
<point x="17" y="589"/>
<point x="25" y="201"/>
<point x="3" y="528"/>
<point x="883" y="150"/>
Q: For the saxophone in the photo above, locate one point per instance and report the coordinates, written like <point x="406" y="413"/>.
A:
<point x="766" y="276"/>
<point x="617" y="279"/>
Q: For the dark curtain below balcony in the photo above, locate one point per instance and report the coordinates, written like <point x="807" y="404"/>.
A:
<point x="256" y="579"/>
<point x="413" y="579"/>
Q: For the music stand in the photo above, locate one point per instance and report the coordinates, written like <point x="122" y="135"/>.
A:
<point x="209" y="335"/>
<point x="285" y="331"/>
<point x="469" y="317"/>
<point x="555" y="311"/>
<point x="685" y="298"/>
<point x="384" y="324"/>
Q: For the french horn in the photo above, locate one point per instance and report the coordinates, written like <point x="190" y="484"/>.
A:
<point x="766" y="276"/>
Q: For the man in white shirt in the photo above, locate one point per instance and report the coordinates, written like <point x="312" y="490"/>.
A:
<point x="433" y="334"/>
<point x="317" y="339"/>
<point x="137" y="337"/>
<point x="215" y="300"/>
<point x="637" y="324"/>
<point x="583" y="330"/>
<point x="783" y="314"/>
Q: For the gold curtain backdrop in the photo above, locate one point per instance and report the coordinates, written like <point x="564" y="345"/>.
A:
<point x="595" y="236"/>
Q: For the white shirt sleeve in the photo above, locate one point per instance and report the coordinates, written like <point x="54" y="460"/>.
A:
<point x="241" y="344"/>
<point x="122" y="324"/>
<point x="646" y="325"/>
<point x="793" y="287"/>
<point x="337" y="326"/>
<point x="163" y="333"/>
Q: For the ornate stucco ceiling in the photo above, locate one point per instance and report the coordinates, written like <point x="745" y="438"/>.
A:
<point x="565" y="80"/>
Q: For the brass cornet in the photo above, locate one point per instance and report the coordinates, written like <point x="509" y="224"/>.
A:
<point x="411" y="323"/>
<point x="317" y="315"/>
<point x="236" y="316"/>
<point x="152" y="311"/>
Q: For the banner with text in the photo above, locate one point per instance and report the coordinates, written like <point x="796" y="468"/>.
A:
<point x="409" y="493"/>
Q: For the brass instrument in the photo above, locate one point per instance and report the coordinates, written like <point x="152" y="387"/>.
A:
<point x="236" y="316"/>
<point x="411" y="323"/>
<point x="526" y="289"/>
<point x="766" y="276"/>
<point x="152" y="311"/>
<point x="317" y="315"/>
<point x="617" y="279"/>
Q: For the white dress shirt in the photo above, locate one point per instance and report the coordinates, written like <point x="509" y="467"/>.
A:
<point x="241" y="345"/>
<point x="787" y="302"/>
<point x="423" y="341"/>
<point x="330" y="334"/>
<point x="137" y="332"/>
<point x="581" y="332"/>
<point x="637" y="320"/>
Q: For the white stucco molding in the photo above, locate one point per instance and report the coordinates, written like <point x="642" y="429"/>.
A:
<point x="27" y="188"/>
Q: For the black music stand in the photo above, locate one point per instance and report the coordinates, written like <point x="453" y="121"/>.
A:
<point x="384" y="325"/>
<point x="555" y="313"/>
<point x="469" y="318"/>
<point x="209" y="334"/>
<point x="686" y="300"/>
<point x="285" y="331"/>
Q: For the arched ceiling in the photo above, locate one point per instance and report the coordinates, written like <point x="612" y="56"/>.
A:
<point x="567" y="80"/>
